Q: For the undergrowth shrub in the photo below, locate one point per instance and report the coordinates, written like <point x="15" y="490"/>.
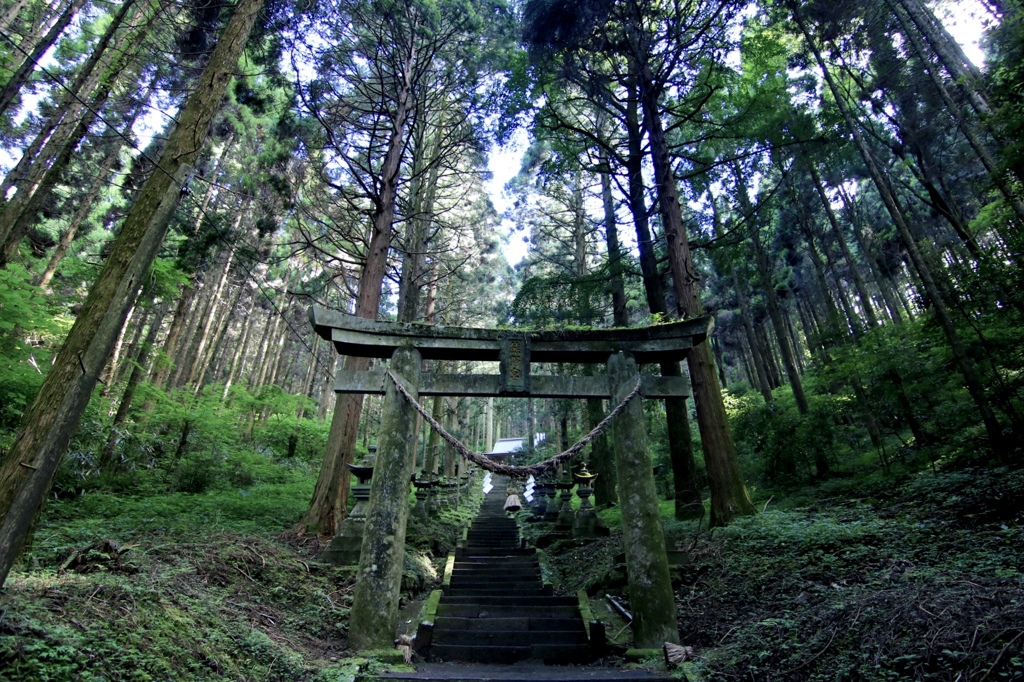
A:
<point x="31" y="326"/>
<point x="780" y="446"/>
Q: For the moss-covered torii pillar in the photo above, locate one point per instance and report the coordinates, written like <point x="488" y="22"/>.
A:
<point x="374" y="617"/>
<point x="643" y="539"/>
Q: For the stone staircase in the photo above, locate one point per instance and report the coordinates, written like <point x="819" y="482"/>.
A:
<point x="495" y="607"/>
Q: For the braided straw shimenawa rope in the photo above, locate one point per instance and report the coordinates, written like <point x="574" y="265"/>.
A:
<point x="513" y="471"/>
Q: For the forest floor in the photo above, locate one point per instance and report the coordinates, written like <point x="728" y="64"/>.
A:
<point x="848" y="581"/>
<point x="918" y="581"/>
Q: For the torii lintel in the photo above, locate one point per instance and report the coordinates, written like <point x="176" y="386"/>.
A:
<point x="514" y="349"/>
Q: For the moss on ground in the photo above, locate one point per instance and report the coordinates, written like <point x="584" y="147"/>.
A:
<point x="924" y="583"/>
<point x="176" y="586"/>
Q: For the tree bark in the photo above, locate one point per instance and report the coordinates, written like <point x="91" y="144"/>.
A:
<point x="837" y="233"/>
<point x="138" y="372"/>
<point x="729" y="497"/>
<point x="79" y="217"/>
<point x="422" y="192"/>
<point x="330" y="497"/>
<point x="216" y="296"/>
<point x="611" y="232"/>
<point x="743" y="298"/>
<point x="14" y="12"/>
<point x="680" y="443"/>
<point x="601" y="458"/>
<point x="203" y="371"/>
<point x="161" y="371"/>
<point x="115" y="370"/>
<point x="259" y="372"/>
<point x="94" y="80"/>
<point x="239" y="355"/>
<point x="949" y="54"/>
<point x="966" y="126"/>
<point x="892" y="307"/>
<point x="781" y="335"/>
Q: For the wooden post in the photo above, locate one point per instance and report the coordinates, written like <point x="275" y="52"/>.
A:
<point x="643" y="539"/>
<point x="374" y="617"/>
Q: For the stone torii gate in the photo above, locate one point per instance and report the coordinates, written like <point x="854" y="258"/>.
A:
<point x="374" y="615"/>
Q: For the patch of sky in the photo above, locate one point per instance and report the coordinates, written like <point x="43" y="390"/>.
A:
<point x="966" y="20"/>
<point x="504" y="162"/>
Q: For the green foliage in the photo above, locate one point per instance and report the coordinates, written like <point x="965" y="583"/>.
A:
<point x="440" y="534"/>
<point x="904" y="372"/>
<point x="193" y="444"/>
<point x="269" y="508"/>
<point x="781" y="445"/>
<point x="210" y="586"/>
<point x="211" y="596"/>
<point x="1006" y="55"/>
<point x="30" y="327"/>
<point x="207" y="607"/>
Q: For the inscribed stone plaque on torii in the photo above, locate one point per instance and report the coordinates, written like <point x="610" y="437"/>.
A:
<point x="514" y="364"/>
<point x="358" y="336"/>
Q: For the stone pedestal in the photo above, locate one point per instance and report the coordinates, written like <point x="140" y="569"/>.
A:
<point x="448" y="495"/>
<point x="419" y="509"/>
<point x="373" y="619"/>
<point x="566" y="514"/>
<point x="348" y="543"/>
<point x="433" y="499"/>
<point x="551" y="507"/>
<point x="540" y="501"/>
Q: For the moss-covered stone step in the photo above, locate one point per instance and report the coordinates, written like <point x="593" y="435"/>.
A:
<point x="532" y="672"/>
<point x="495" y="543"/>
<point x="471" y="552"/>
<point x="510" y="624"/>
<point x="510" y="536"/>
<point x="554" y="654"/>
<point x="567" y="638"/>
<point x="480" y="654"/>
<point x="483" y="568"/>
<point x="483" y="582"/>
<point x="494" y="556"/>
<point x="515" y="572"/>
<point x="489" y="568"/>
<point x="498" y="612"/>
<point x="513" y="601"/>
<point x="513" y="590"/>
<point x="507" y="538"/>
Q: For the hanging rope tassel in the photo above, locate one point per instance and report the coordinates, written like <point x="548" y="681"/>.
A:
<point x="489" y="464"/>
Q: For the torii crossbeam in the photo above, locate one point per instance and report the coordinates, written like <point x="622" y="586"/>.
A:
<point x="514" y="349"/>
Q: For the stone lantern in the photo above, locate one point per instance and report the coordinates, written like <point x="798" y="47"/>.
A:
<point x="348" y="541"/>
<point x="587" y="520"/>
